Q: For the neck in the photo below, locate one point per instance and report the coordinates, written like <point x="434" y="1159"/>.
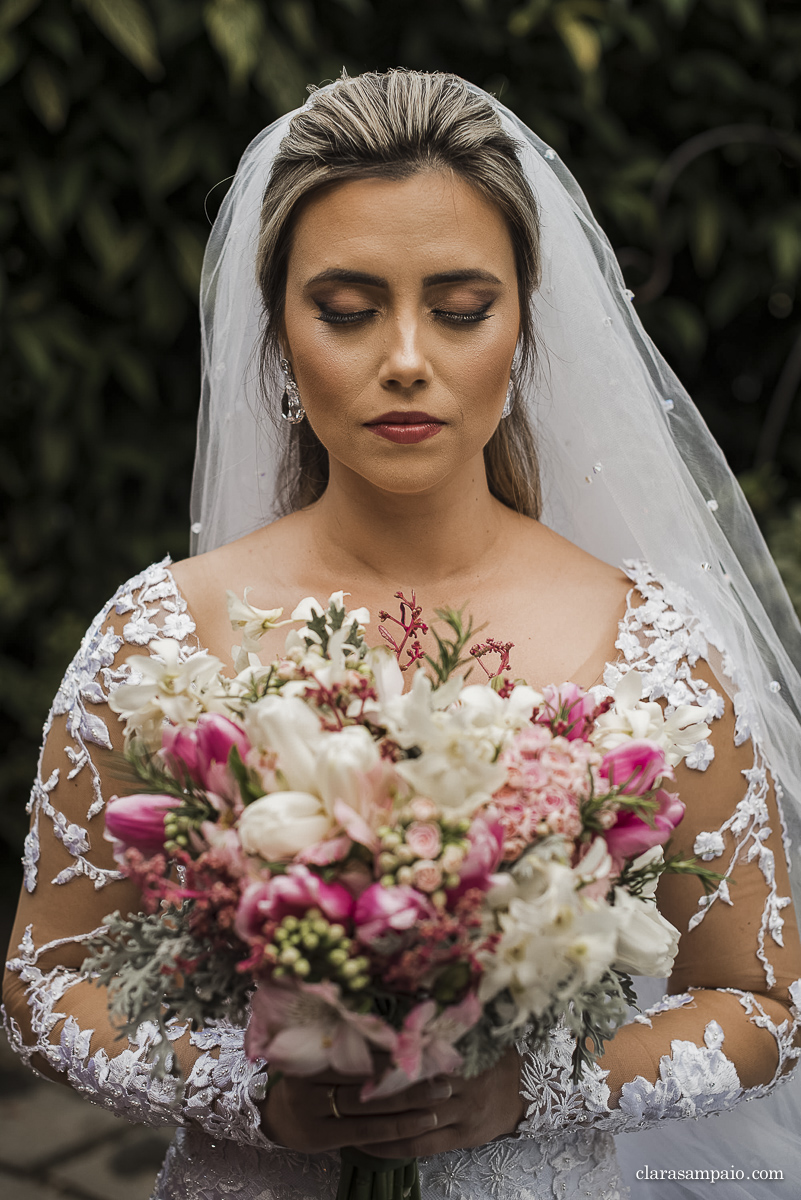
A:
<point x="362" y="532"/>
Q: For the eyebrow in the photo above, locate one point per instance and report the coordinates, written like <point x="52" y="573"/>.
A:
<point x="343" y="275"/>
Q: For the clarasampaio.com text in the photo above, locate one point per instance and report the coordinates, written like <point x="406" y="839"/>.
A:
<point x="706" y="1173"/>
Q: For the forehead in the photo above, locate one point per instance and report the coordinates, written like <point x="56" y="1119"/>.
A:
<point x="433" y="220"/>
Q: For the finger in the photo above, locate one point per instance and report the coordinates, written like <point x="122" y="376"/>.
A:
<point x="386" y="1128"/>
<point x="428" y="1094"/>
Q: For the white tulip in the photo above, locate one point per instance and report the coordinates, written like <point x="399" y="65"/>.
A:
<point x="278" y="826"/>
<point x="290" y="729"/>
<point x="647" y="943"/>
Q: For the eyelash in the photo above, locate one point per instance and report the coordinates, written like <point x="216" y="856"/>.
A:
<point x="334" y="318"/>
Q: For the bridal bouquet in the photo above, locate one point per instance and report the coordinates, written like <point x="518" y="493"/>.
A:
<point x="348" y="868"/>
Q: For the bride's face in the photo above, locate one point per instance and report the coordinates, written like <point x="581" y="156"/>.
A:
<point x="401" y="322"/>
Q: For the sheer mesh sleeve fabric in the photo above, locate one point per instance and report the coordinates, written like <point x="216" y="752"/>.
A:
<point x="728" y="1029"/>
<point x="56" y="1021"/>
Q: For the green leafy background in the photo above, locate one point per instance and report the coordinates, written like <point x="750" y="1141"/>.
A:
<point x="120" y="122"/>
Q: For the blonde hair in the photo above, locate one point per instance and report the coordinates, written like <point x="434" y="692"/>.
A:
<point x="391" y="126"/>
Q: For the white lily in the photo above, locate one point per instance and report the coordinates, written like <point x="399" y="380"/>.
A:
<point x="631" y="717"/>
<point x="253" y="622"/>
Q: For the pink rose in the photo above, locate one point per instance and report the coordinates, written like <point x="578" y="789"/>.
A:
<point x="426" y="875"/>
<point x="137" y="822"/>
<point x="423" y="809"/>
<point x="483" y="856"/>
<point x="635" y="766"/>
<point x="424" y="839"/>
<point x="292" y="894"/>
<point x="632" y="836"/>
<point x="381" y="910"/>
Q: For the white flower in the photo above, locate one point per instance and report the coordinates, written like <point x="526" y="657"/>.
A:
<point x="554" y="940"/>
<point x="290" y="729"/>
<point x="678" y="734"/>
<point x="277" y="827"/>
<point x="458" y="748"/>
<point x="647" y="942"/>
<point x="170" y="687"/>
<point x="709" y="845"/>
<point x="254" y="622"/>
<point x="343" y="761"/>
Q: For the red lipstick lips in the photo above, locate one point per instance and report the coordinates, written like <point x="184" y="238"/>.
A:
<point x="405" y="428"/>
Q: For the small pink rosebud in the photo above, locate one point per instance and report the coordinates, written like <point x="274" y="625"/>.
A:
<point x="423" y="809"/>
<point x="426" y="875"/>
<point x="424" y="838"/>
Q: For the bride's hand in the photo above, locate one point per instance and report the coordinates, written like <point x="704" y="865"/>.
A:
<point x="428" y="1118"/>
<point x="478" y="1110"/>
<point x="297" y="1113"/>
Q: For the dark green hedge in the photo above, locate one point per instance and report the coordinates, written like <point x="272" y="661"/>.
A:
<point x="119" y="119"/>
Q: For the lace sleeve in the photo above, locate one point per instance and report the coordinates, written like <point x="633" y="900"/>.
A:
<point x="729" y="1028"/>
<point x="56" y="1021"/>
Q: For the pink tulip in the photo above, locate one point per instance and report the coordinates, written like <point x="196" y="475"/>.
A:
<point x="306" y="1029"/>
<point x="137" y="822"/>
<point x="635" y="766"/>
<point x="292" y="894"/>
<point x="567" y="710"/>
<point x="382" y="910"/>
<point x="202" y="752"/>
<point x="482" y="859"/>
<point x="632" y="835"/>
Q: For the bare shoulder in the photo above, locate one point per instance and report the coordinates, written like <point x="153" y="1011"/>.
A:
<point x="566" y="569"/>
<point x="258" y="561"/>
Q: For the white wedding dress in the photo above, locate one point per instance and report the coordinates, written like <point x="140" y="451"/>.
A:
<point x="565" y="1146"/>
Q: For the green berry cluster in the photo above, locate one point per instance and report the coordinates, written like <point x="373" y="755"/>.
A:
<point x="314" y="949"/>
<point x="177" y="827"/>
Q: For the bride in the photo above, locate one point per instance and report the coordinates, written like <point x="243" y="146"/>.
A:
<point x="470" y="409"/>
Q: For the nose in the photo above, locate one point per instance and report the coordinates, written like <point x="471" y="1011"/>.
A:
<point x="405" y="363"/>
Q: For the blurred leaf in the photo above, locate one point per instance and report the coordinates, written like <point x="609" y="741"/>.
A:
<point x="10" y="57"/>
<point x="32" y="349"/>
<point x="524" y="19"/>
<point x="127" y="24"/>
<point x="279" y="75"/>
<point x="582" y="41"/>
<point x="678" y="10"/>
<point x="236" y="28"/>
<point x="171" y="165"/>
<point x="706" y="233"/>
<point x="58" y="32"/>
<point x="784" y="240"/>
<point x="115" y="250"/>
<point x="750" y="16"/>
<point x="14" y="11"/>
<point x="188" y="257"/>
<point x="47" y="93"/>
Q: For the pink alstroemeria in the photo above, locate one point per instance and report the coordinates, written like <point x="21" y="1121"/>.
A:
<point x="292" y="894"/>
<point x="633" y="835"/>
<point x="137" y="822"/>
<point x="306" y="1029"/>
<point x="425" y="1045"/>
<point x="203" y="751"/>
<point x="635" y="766"/>
<point x="576" y="706"/>
<point x="482" y="859"/>
<point x="382" y="910"/>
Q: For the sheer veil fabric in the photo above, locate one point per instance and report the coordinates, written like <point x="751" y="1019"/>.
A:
<point x="630" y="470"/>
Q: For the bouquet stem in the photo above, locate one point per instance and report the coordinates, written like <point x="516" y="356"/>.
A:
<point x="364" y="1177"/>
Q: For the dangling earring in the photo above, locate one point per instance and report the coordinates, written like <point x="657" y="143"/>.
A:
<point x="509" y="402"/>
<point x="292" y="409"/>
<point x="511" y="391"/>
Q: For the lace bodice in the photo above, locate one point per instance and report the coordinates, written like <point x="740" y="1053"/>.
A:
<point x="725" y="1033"/>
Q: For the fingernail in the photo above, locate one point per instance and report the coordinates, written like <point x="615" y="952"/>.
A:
<point x="427" y="1120"/>
<point x="441" y="1091"/>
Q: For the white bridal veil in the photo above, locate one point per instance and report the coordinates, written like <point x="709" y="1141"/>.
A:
<point x="630" y="470"/>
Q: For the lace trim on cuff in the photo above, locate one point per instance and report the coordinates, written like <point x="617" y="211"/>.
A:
<point x="693" y="1080"/>
<point x="222" y="1091"/>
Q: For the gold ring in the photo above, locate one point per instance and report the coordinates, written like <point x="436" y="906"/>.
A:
<point x="332" y="1100"/>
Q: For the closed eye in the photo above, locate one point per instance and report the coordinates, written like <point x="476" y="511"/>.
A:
<point x="330" y="317"/>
